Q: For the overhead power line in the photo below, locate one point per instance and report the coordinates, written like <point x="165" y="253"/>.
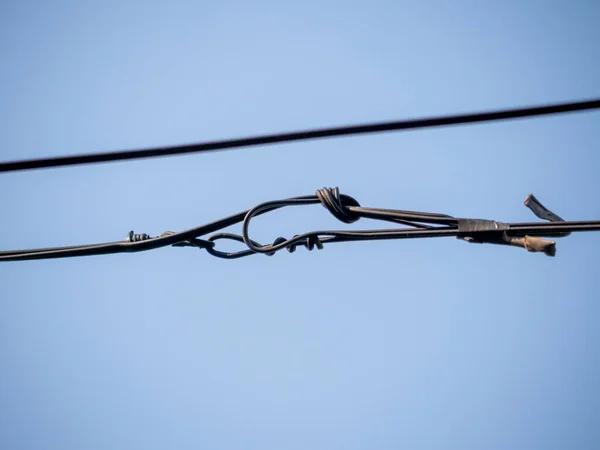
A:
<point x="530" y="236"/>
<point x="411" y="124"/>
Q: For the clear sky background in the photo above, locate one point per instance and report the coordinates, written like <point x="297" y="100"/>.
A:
<point x="409" y="344"/>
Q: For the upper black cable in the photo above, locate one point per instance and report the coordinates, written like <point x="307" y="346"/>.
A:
<point x="411" y="124"/>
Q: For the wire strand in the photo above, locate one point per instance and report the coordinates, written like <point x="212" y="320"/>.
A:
<point x="411" y="124"/>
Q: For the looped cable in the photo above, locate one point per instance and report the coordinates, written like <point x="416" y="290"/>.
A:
<point x="528" y="235"/>
<point x="228" y="255"/>
<point x="338" y="204"/>
<point x="280" y="240"/>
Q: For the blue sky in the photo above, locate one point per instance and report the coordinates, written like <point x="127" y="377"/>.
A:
<point x="424" y="344"/>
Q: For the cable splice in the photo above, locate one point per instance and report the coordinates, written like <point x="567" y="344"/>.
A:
<point x="416" y="225"/>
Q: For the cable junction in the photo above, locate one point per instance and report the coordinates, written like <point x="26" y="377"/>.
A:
<point x="531" y="236"/>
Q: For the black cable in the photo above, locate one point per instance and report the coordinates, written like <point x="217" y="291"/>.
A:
<point x="166" y="239"/>
<point x="346" y="209"/>
<point x="338" y="204"/>
<point x="411" y="124"/>
<point x="543" y="229"/>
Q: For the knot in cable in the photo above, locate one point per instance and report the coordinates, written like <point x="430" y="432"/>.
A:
<point x="338" y="204"/>
<point x="133" y="237"/>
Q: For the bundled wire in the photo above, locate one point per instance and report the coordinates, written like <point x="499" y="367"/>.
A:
<point x="412" y="225"/>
